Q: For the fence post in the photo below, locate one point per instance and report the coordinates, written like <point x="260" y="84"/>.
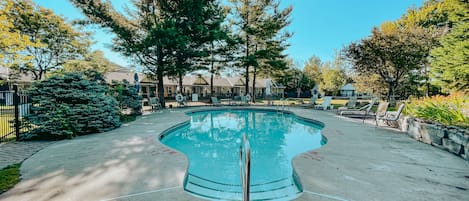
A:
<point x="16" y="103"/>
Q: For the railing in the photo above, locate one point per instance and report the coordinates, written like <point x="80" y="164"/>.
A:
<point x="14" y="105"/>
<point x="245" y="166"/>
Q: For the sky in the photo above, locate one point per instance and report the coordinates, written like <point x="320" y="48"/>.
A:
<point x="319" y="27"/>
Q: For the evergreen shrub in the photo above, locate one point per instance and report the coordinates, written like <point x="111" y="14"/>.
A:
<point x="127" y="97"/>
<point x="64" y="106"/>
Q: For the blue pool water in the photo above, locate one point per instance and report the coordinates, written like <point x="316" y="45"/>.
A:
<point x="211" y="142"/>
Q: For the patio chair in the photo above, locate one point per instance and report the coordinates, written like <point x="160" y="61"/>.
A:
<point x="326" y="104"/>
<point x="155" y="104"/>
<point x="381" y="111"/>
<point x="215" y="101"/>
<point x="391" y="116"/>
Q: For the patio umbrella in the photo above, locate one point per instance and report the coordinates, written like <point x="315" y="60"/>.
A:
<point x="137" y="82"/>
<point x="314" y="90"/>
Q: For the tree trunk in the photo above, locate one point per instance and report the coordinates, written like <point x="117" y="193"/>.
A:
<point x="159" y="76"/>
<point x="247" y="66"/>
<point x="254" y="85"/>
<point x="247" y="48"/>
<point x="160" y="87"/>
<point x="180" y="81"/>
<point x="211" y="85"/>
<point x="392" y="85"/>
<point x="212" y="70"/>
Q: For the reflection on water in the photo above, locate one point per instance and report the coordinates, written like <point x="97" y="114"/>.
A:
<point x="212" y="139"/>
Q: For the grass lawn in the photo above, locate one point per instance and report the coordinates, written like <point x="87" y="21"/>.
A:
<point x="6" y="126"/>
<point x="9" y="177"/>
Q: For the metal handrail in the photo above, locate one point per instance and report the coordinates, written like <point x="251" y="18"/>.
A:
<point x="245" y="170"/>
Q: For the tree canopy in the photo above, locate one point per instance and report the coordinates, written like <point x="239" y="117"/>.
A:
<point x="391" y="55"/>
<point x="54" y="41"/>
<point x="160" y="35"/>
<point x="11" y="40"/>
<point x="259" y="26"/>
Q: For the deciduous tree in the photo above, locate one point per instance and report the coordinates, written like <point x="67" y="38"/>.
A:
<point x="94" y="61"/>
<point x="56" y="41"/>
<point x="390" y="55"/>
<point x="12" y="42"/>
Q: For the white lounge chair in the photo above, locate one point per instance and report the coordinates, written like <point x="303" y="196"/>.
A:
<point x="215" y="101"/>
<point x="365" y="110"/>
<point x="245" y="99"/>
<point x="312" y="101"/>
<point x="326" y="104"/>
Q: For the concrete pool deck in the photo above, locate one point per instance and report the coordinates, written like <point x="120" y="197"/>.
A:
<point x="359" y="162"/>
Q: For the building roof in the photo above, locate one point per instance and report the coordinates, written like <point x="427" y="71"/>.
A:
<point x="348" y="87"/>
<point x="127" y="74"/>
<point x="120" y="75"/>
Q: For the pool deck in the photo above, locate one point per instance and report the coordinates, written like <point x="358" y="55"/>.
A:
<point x="359" y="162"/>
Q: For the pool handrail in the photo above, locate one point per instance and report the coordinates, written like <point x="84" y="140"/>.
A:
<point x="245" y="170"/>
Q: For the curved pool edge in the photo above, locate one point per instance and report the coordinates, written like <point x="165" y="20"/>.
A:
<point x="296" y="176"/>
<point x="257" y="108"/>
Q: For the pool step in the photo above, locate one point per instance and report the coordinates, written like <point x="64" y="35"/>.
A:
<point x="282" y="189"/>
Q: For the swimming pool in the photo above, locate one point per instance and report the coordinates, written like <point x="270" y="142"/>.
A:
<point x="211" y="141"/>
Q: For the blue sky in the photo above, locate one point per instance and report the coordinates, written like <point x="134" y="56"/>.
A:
<point x="320" y="26"/>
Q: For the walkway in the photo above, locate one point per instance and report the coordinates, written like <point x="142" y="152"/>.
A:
<point x="360" y="162"/>
<point x="16" y="152"/>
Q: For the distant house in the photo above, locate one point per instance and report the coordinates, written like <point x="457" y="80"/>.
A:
<point x="347" y="90"/>
<point x="196" y="84"/>
<point x="191" y="84"/>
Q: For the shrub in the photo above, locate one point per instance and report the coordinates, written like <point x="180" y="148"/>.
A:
<point x="448" y="110"/>
<point x="68" y="105"/>
<point x="127" y="96"/>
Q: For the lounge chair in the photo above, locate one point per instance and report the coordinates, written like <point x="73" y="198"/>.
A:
<point x="155" y="104"/>
<point x="363" y="111"/>
<point x="326" y="104"/>
<point x="215" y="101"/>
<point x="312" y="101"/>
<point x="391" y="116"/>
<point x="352" y="102"/>
<point x="245" y="99"/>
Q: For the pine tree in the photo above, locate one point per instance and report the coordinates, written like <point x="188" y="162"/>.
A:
<point x="259" y="24"/>
<point x="450" y="61"/>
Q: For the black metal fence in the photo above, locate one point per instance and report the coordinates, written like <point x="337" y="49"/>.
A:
<point x="14" y="105"/>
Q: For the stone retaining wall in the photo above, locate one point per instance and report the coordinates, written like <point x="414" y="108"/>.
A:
<point x="449" y="138"/>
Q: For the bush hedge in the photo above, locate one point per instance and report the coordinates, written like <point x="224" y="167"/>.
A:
<point x="127" y="97"/>
<point x="64" y="106"/>
<point x="448" y="110"/>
